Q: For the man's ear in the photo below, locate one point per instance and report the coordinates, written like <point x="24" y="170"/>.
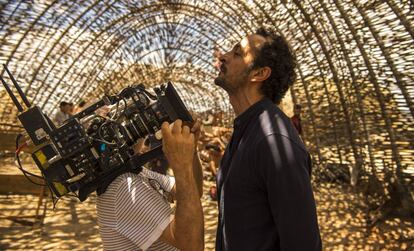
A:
<point x="261" y="74"/>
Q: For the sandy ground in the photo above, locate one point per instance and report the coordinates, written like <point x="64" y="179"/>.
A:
<point x="73" y="225"/>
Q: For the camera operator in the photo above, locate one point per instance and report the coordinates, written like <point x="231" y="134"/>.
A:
<point x="134" y="213"/>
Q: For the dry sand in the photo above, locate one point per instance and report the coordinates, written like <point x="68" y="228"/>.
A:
<point x="73" y="225"/>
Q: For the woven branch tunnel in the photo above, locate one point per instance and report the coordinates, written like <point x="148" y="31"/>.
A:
<point x="355" y="75"/>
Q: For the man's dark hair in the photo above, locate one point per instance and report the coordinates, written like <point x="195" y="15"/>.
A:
<point x="82" y="103"/>
<point x="276" y="54"/>
<point x="63" y="103"/>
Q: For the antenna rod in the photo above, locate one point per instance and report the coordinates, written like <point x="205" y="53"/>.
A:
<point x="19" y="90"/>
<point x="15" y="101"/>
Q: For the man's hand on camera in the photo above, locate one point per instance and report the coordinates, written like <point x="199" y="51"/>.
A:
<point x="186" y="232"/>
<point x="178" y="145"/>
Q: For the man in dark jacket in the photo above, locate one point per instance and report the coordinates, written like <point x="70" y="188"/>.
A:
<point x="264" y="191"/>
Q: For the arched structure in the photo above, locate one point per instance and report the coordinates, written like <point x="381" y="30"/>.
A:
<point x="356" y="70"/>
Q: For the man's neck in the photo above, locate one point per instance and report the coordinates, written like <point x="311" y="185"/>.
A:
<point x="242" y="100"/>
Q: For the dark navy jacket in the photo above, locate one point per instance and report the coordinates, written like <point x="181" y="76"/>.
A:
<point x="264" y="191"/>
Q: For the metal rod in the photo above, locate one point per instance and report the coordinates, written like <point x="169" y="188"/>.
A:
<point x="19" y="90"/>
<point x="9" y="91"/>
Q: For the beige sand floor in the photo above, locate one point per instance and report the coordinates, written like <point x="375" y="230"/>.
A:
<point x="72" y="225"/>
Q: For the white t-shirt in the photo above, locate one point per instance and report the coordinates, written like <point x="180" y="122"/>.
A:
<point x="134" y="211"/>
<point x="60" y="117"/>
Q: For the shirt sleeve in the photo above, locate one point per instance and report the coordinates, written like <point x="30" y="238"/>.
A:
<point x="284" y="171"/>
<point x="142" y="213"/>
<point x="166" y="182"/>
<point x="58" y="119"/>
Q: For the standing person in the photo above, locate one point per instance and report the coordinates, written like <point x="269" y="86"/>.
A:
<point x="134" y="212"/>
<point x="62" y="114"/>
<point x="297" y="122"/>
<point x="264" y="190"/>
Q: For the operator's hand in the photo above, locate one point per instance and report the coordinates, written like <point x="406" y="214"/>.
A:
<point x="178" y="145"/>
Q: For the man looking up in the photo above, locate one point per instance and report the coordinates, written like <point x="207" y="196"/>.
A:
<point x="264" y="191"/>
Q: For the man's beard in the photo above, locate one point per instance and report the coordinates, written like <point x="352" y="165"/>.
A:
<point x="221" y="81"/>
<point x="233" y="87"/>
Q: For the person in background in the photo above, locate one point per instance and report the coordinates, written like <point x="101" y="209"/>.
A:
<point x="62" y="114"/>
<point x="81" y="105"/>
<point x="215" y="154"/>
<point x="297" y="123"/>
<point x="71" y="109"/>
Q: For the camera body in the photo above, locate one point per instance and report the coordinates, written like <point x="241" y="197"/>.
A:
<point x="91" y="149"/>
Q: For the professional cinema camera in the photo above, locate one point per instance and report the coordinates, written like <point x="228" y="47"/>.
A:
<point x="90" y="150"/>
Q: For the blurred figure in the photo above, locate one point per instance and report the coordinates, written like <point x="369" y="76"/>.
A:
<point x="71" y="108"/>
<point x="214" y="157"/>
<point x="208" y="123"/>
<point x="79" y="107"/>
<point x="62" y="114"/>
<point x="212" y="147"/>
<point x="297" y="123"/>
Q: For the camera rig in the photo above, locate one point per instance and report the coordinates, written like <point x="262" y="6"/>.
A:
<point x="90" y="150"/>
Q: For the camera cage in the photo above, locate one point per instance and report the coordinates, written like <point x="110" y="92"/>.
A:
<point x="89" y="150"/>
